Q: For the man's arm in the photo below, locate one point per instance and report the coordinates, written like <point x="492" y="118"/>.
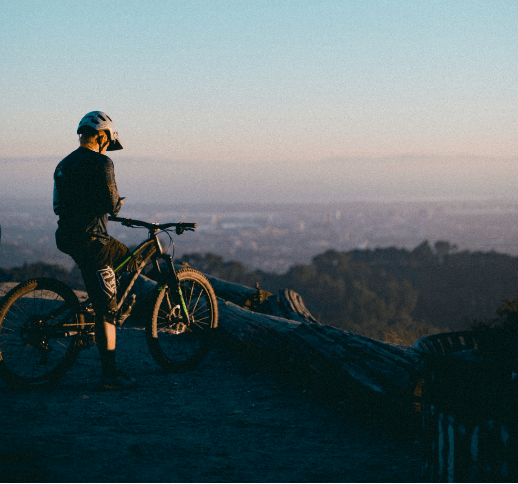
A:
<point x="111" y="202"/>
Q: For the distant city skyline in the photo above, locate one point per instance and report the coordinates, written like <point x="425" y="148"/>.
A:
<point x="277" y="236"/>
<point x="388" y="99"/>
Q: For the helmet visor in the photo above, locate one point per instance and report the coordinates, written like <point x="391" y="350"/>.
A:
<point x="114" y="145"/>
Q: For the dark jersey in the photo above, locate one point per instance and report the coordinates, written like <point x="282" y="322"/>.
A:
<point x="85" y="193"/>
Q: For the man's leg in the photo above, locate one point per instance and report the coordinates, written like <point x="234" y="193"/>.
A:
<point x="105" y="335"/>
<point x="101" y="287"/>
<point x="109" y="331"/>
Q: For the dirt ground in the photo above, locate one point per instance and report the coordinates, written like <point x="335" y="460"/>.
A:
<point x="223" y="422"/>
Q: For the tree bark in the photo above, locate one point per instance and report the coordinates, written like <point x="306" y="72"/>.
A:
<point x="280" y="333"/>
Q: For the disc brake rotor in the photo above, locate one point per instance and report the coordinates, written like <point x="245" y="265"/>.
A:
<point x="177" y="324"/>
<point x="33" y="334"/>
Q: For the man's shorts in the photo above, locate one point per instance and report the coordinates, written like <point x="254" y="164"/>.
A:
<point x="92" y="252"/>
<point x="96" y="258"/>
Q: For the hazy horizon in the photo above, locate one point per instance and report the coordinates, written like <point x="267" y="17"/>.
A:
<point x="403" y="178"/>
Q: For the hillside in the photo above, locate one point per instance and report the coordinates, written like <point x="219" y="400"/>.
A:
<point x="389" y="294"/>
<point x="20" y="253"/>
<point x="394" y="295"/>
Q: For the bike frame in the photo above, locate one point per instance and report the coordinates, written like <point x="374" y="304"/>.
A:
<point x="152" y="249"/>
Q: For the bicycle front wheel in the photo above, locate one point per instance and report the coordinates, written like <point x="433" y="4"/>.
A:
<point x="38" y="321"/>
<point x="177" y="344"/>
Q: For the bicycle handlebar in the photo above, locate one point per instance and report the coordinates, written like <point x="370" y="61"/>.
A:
<point x="129" y="222"/>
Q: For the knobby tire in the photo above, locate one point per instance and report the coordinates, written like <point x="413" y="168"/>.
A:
<point x="34" y="351"/>
<point x="174" y="345"/>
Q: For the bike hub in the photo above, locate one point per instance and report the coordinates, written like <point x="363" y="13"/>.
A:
<point x="32" y="332"/>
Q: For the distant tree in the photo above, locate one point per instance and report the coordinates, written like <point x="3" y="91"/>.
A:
<point x="423" y="251"/>
<point x="375" y="291"/>
<point x="443" y="248"/>
<point x="216" y="266"/>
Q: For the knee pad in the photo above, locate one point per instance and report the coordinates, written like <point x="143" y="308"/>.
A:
<point x="108" y="284"/>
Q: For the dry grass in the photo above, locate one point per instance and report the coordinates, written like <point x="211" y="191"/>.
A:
<point x="408" y="333"/>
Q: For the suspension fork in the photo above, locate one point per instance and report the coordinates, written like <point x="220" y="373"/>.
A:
<point x="172" y="279"/>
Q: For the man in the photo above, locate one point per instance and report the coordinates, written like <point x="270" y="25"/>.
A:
<point x="85" y="192"/>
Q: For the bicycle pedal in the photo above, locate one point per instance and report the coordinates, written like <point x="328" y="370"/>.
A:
<point x="83" y="342"/>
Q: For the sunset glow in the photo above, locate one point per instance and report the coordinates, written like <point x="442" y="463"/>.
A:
<point x="280" y="82"/>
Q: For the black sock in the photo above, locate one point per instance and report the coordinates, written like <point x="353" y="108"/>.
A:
<point x="108" y="364"/>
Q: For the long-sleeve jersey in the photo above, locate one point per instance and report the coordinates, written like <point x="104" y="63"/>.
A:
<point x="85" y="193"/>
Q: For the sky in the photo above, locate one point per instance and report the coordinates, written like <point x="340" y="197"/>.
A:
<point x="292" y="100"/>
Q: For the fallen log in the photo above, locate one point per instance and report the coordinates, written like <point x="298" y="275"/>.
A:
<point x="326" y="358"/>
<point x="287" y="304"/>
<point x="280" y="332"/>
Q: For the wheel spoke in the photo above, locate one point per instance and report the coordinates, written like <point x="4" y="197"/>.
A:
<point x="32" y="346"/>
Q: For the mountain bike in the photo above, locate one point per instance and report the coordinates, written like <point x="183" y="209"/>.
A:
<point x="44" y="326"/>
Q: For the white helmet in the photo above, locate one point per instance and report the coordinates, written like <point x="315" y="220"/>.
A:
<point x="102" y="122"/>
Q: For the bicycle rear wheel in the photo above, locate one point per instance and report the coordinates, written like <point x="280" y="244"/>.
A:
<point x="35" y="346"/>
<point x="176" y="344"/>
